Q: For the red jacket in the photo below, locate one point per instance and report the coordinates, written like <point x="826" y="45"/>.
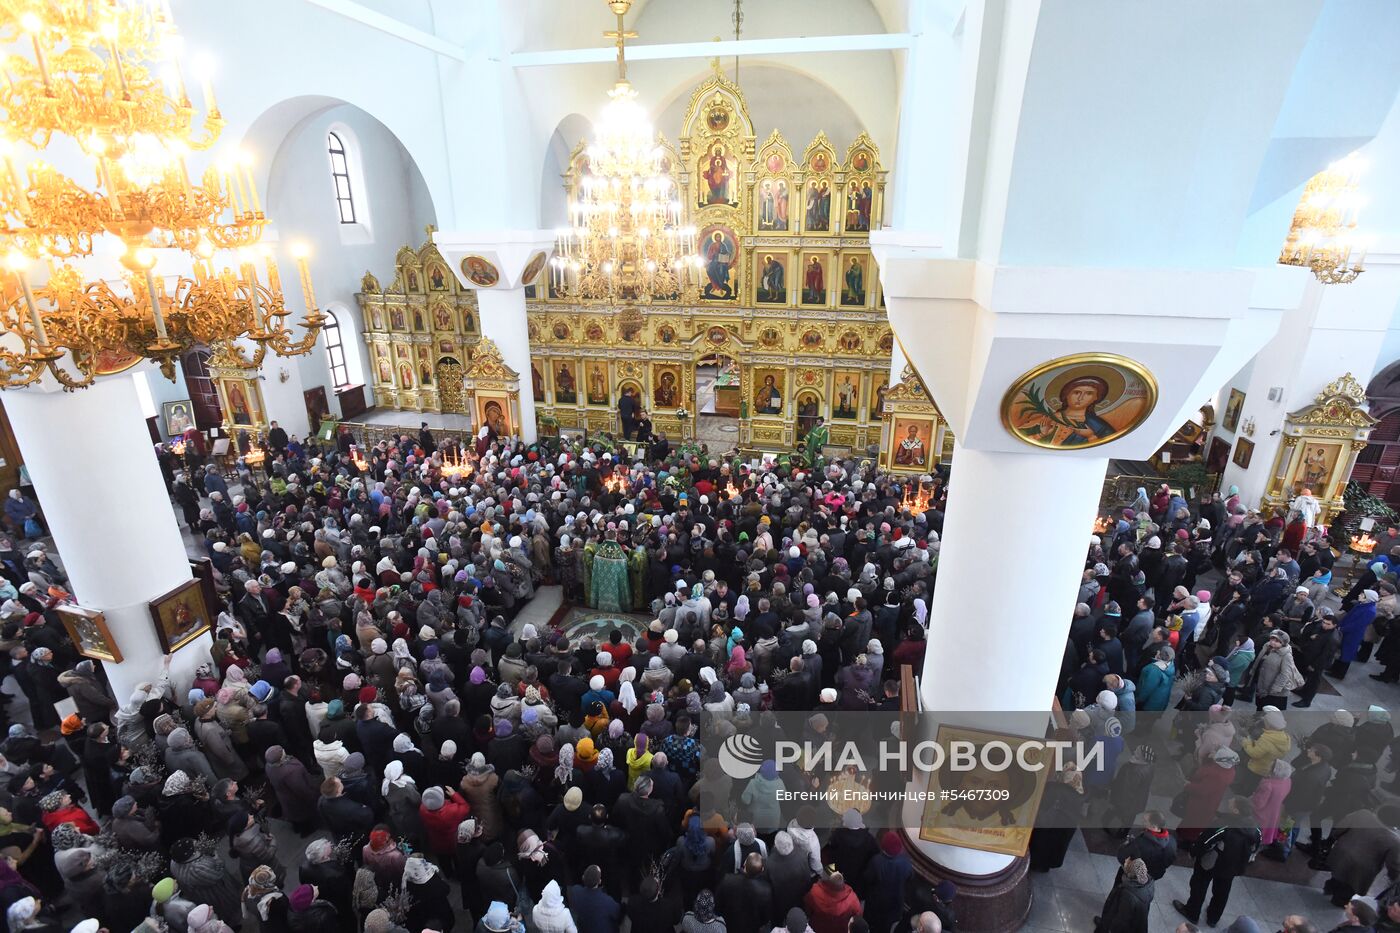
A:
<point x="440" y="825"/>
<point x="1204" y="792"/>
<point x="829" y="910"/>
<point x="78" y="817"/>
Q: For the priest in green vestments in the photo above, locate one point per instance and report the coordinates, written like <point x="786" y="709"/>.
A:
<point x="817" y="437"/>
<point x="610" y="590"/>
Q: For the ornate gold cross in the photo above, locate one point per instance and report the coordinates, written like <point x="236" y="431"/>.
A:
<point x="620" y="35"/>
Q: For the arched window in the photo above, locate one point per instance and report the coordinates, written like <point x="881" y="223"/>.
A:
<point x="335" y="352"/>
<point x="340" y="173"/>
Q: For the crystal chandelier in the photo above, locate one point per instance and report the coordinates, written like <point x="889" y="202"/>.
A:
<point x="102" y="79"/>
<point x="625" y="242"/>
<point x="1323" y="235"/>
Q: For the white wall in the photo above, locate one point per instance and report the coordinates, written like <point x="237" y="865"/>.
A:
<point x="395" y="201"/>
<point x="1334" y="330"/>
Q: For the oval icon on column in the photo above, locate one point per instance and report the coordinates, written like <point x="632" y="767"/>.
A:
<point x="1079" y="401"/>
<point x="479" y="271"/>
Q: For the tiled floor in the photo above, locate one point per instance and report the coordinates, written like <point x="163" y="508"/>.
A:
<point x="1067" y="899"/>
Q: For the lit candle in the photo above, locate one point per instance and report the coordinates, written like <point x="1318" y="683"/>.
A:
<point x="16" y="262"/>
<point x="156" y="311"/>
<point x="274" y="278"/>
<point x="307" y="294"/>
<point x="252" y="188"/>
<point x="121" y="72"/>
<point x="250" y="278"/>
<point x="110" y="188"/>
<point x="232" y="188"/>
<point x="17" y="179"/>
<point x="39" y="57"/>
<point x="185" y="179"/>
<point x="207" y="86"/>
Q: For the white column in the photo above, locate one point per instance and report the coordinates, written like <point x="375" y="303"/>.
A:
<point x="1025" y="624"/>
<point x="90" y="457"/>
<point x="502" y="302"/>
<point x="503" y="320"/>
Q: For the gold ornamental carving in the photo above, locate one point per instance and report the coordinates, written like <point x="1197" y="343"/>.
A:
<point x="1319" y="447"/>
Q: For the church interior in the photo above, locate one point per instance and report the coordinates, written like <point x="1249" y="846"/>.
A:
<point x="950" y="290"/>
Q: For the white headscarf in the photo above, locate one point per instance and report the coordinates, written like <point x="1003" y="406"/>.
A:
<point x="627" y="696"/>
<point x="393" y="774"/>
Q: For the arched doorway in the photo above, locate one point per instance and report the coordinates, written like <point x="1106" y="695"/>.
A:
<point x="449" y="380"/>
<point x="718" y="399"/>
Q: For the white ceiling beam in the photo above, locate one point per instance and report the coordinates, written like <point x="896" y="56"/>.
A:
<point x="727" y="48"/>
<point x="393" y="27"/>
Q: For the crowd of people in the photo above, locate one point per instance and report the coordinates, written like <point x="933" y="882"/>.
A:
<point x="1146" y="638"/>
<point x="445" y="765"/>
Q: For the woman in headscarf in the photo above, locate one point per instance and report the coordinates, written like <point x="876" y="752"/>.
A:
<point x="479" y="787"/>
<point x="82" y="877"/>
<point x="696" y="851"/>
<point x="264" y="904"/>
<point x="217" y="741"/>
<point x="1353" y="627"/>
<point x="541" y="863"/>
<point x="701" y="918"/>
<point x="638" y="760"/>
<point x="401" y="793"/>
<point x="24" y="915"/>
<point x="182" y="755"/>
<point x="429" y="896"/>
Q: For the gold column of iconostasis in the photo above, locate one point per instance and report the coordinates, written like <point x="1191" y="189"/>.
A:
<point x="789" y="309"/>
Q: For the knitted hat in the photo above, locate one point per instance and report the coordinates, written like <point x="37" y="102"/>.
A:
<point x="302" y="898"/>
<point x="573" y="799"/>
<point x="164" y="890"/>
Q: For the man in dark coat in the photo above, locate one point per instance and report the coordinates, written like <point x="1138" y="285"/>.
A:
<point x="594" y="909"/>
<point x="604" y="844"/>
<point x="345" y="818"/>
<point x="1221" y="855"/>
<point x="425" y="439"/>
<point x="277" y="438"/>
<point x="850" y="847"/>
<point x="645" y="823"/>
<point x="100" y="755"/>
<point x="745" y="900"/>
<point x="376" y="739"/>
<point x="297" y="791"/>
<point x="1314" y="650"/>
<point x="885" y="878"/>
<point x="255" y="612"/>
<point x="627" y="413"/>
<point x="1154" y="845"/>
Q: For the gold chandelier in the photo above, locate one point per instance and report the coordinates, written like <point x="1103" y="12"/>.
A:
<point x="1323" y="234"/>
<point x="105" y="77"/>
<point x="624" y="242"/>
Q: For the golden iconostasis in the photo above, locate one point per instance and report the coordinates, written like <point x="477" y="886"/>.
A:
<point x="789" y="308"/>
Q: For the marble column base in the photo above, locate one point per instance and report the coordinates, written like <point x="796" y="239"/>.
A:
<point x="997" y="903"/>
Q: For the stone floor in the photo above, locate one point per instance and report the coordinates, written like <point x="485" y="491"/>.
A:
<point x="411" y="419"/>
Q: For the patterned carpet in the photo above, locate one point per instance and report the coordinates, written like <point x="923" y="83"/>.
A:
<point x="580" y="621"/>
